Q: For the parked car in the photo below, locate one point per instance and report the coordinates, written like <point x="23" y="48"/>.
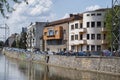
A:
<point x="82" y="53"/>
<point x="106" y="53"/>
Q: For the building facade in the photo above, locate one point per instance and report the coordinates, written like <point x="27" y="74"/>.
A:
<point x="34" y="36"/>
<point x="89" y="33"/>
<point x="56" y="37"/>
<point x="76" y="33"/>
<point x="56" y="34"/>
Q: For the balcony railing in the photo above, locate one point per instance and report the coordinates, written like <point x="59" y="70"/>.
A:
<point x="104" y="42"/>
<point x="83" y="30"/>
<point x="103" y="30"/>
<point x="79" y="42"/>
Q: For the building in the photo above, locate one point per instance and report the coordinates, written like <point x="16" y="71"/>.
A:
<point x="34" y="36"/>
<point x="24" y="29"/>
<point x="89" y="33"/>
<point x="76" y="32"/>
<point x="12" y="40"/>
<point x="56" y="34"/>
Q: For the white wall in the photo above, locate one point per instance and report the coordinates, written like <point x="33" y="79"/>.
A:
<point x="94" y="30"/>
<point x="89" y="30"/>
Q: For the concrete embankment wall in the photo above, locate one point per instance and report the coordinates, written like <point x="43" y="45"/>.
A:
<point x="98" y="64"/>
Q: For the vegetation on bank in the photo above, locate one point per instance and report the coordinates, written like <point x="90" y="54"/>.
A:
<point x="111" y="26"/>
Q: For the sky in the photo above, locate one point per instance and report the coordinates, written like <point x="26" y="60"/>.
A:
<point x="48" y="10"/>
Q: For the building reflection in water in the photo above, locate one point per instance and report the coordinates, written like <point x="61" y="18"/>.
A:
<point x="43" y="72"/>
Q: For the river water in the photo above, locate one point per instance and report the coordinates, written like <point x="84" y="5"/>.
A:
<point x="11" y="69"/>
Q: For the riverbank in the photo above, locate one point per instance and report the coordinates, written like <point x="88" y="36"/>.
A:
<point x="109" y="65"/>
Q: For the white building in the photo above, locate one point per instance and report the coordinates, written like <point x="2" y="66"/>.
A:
<point x="34" y="36"/>
<point x="88" y="34"/>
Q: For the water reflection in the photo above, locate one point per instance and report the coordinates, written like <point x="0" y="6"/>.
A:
<point x="21" y="70"/>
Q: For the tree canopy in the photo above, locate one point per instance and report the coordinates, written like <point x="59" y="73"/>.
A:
<point x="109" y="25"/>
<point x="108" y="21"/>
<point x="6" y="7"/>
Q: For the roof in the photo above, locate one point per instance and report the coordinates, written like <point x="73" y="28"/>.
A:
<point x="71" y="18"/>
<point x="102" y="9"/>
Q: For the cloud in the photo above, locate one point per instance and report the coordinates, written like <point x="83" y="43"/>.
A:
<point x="36" y="10"/>
<point x="93" y="7"/>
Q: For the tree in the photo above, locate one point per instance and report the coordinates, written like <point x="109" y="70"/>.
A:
<point x="5" y="6"/>
<point x="22" y="43"/>
<point x="108" y="21"/>
<point x="14" y="44"/>
<point x="1" y="44"/>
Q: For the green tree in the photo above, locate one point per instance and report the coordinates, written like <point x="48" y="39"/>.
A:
<point x="5" y="6"/>
<point x="14" y="44"/>
<point x="22" y="43"/>
<point x="1" y="44"/>
<point x="108" y="21"/>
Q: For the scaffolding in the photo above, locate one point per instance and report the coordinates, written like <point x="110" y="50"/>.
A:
<point x="115" y="43"/>
<point x="5" y="32"/>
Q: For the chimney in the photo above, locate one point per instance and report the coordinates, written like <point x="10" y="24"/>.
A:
<point x="71" y="15"/>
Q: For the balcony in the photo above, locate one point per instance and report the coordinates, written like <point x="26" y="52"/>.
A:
<point x="82" y="30"/>
<point x="104" y="42"/>
<point x="83" y="42"/>
<point x="103" y="30"/>
<point x="53" y="33"/>
<point x="79" y="42"/>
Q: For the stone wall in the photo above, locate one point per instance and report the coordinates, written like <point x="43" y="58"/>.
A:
<point x="98" y="64"/>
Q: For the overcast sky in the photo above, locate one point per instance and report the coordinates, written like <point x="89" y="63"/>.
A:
<point x="48" y="10"/>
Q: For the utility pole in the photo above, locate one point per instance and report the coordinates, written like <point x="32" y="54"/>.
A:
<point x="115" y="43"/>
<point x="4" y="27"/>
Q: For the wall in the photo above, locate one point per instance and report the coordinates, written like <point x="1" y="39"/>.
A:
<point x="98" y="64"/>
<point x="96" y="30"/>
<point x="64" y="45"/>
<point x="101" y="64"/>
<point x="34" y="35"/>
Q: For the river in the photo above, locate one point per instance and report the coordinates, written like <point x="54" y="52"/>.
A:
<point x="11" y="69"/>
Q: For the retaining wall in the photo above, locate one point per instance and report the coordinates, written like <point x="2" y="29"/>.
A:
<point x="100" y="64"/>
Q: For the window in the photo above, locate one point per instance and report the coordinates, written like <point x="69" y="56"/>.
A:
<point x="81" y="37"/>
<point x="56" y="32"/>
<point x="98" y="36"/>
<point x="87" y="47"/>
<point x="45" y="33"/>
<point x="54" y="42"/>
<point x="99" y="14"/>
<point x="92" y="36"/>
<point x="72" y="27"/>
<point x="92" y="47"/>
<point x="92" y="24"/>
<point x="88" y="36"/>
<point x="93" y="14"/>
<point x="88" y="14"/>
<point x="76" y="26"/>
<point x="98" y="24"/>
<point x="72" y="47"/>
<point x="88" y="24"/>
<point x="50" y="32"/>
<point x="76" y="37"/>
<point x="104" y="36"/>
<point x="72" y="37"/>
<point x="64" y="31"/>
<point x="98" y="47"/>
<point x="81" y="25"/>
<point x="104" y="24"/>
